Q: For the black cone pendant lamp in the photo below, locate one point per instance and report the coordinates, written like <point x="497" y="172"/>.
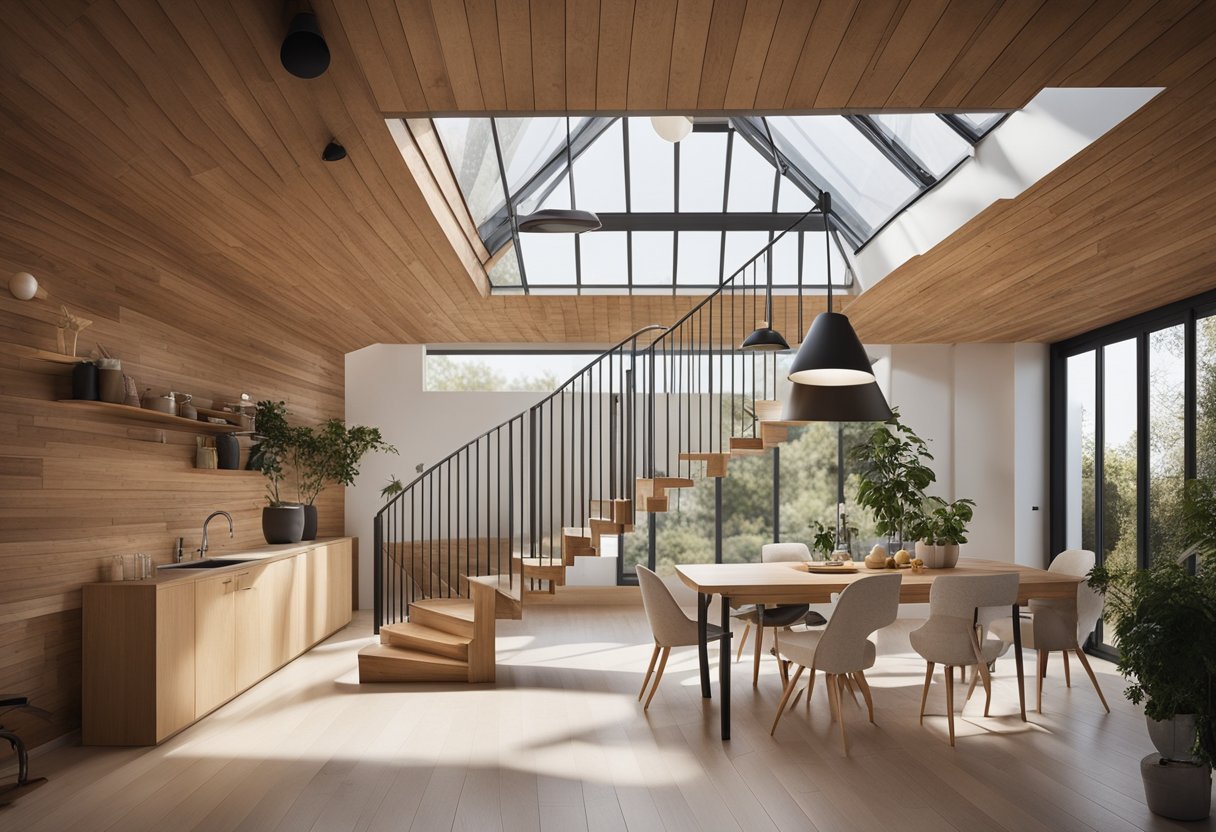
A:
<point x="561" y="220"/>
<point x="304" y="52"/>
<point x="851" y="403"/>
<point x="765" y="338"/>
<point x="831" y="355"/>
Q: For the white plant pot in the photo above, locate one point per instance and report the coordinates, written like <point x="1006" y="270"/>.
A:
<point x="937" y="557"/>
<point x="1174" y="738"/>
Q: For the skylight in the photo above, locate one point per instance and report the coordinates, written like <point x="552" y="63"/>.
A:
<point x="682" y="217"/>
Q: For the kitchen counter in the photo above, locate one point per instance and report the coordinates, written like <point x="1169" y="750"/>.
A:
<point x="262" y="554"/>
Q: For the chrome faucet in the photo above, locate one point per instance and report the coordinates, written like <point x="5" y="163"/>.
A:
<point x="202" y="550"/>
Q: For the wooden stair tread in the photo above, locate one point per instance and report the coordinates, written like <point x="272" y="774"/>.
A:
<point x="673" y="482"/>
<point x="746" y="443"/>
<point x="421" y="631"/>
<point x="505" y="584"/>
<point x="461" y="608"/>
<point x="389" y="663"/>
<point x="701" y="457"/>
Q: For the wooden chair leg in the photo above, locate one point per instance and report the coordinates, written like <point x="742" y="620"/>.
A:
<point x="987" y="679"/>
<point x="975" y="677"/>
<point x="950" y="701"/>
<point x="962" y="674"/>
<point x="1085" y="663"/>
<point x="747" y="628"/>
<point x="840" y="679"/>
<point x="789" y="688"/>
<point x="1067" y="674"/>
<point x="756" y="659"/>
<point x="1042" y="675"/>
<point x="658" y="677"/>
<point x="810" y="689"/>
<point x="847" y="682"/>
<point x="654" y="657"/>
<point x="924" y="694"/>
<point x="865" y="692"/>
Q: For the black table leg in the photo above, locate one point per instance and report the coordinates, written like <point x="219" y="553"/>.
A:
<point x="724" y="663"/>
<point x="703" y="641"/>
<point x="1017" y="657"/>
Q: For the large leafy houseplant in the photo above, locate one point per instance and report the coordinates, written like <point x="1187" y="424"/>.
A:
<point x="893" y="476"/>
<point x="1164" y="621"/>
<point x="275" y="444"/>
<point x="331" y="453"/>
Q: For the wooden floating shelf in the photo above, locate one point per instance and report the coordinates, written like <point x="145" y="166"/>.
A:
<point x="140" y="414"/>
<point x="47" y="355"/>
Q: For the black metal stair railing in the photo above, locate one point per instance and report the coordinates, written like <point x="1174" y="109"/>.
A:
<point x="502" y="504"/>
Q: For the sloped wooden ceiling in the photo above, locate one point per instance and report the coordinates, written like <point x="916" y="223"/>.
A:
<point x="170" y="130"/>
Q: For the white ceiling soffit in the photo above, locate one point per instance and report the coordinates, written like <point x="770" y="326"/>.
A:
<point x="1056" y="124"/>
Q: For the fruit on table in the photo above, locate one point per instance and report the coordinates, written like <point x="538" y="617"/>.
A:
<point x="891" y="563"/>
<point x="879" y="551"/>
<point x="902" y="557"/>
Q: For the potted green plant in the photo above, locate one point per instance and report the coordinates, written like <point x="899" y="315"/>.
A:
<point x="1163" y="618"/>
<point x="394" y="487"/>
<point x="893" y="476"/>
<point x="939" y="529"/>
<point x="330" y="454"/>
<point x="275" y="443"/>
<point x="823" y="539"/>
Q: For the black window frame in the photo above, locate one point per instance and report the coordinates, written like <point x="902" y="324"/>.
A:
<point x="1185" y="312"/>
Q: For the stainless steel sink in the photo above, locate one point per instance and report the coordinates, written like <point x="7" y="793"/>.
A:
<point x="206" y="563"/>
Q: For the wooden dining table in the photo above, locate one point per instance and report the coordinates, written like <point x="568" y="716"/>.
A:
<point x="769" y="584"/>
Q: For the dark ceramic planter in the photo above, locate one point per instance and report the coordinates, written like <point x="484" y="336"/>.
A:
<point x="283" y="524"/>
<point x="310" y="523"/>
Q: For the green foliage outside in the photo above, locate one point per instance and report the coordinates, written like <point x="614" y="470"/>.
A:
<point x="447" y="374"/>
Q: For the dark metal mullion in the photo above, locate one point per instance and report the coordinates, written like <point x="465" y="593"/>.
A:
<point x="502" y="173"/>
<point x="1190" y="397"/>
<point x="675" y="236"/>
<point x="961" y="127"/>
<point x="895" y="151"/>
<point x="730" y="148"/>
<point x="1142" y="448"/>
<point x="1099" y="464"/>
<point x="628" y="204"/>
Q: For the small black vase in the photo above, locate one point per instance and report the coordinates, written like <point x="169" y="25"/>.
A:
<point x="84" y="381"/>
<point x="227" y="451"/>
<point x="310" y="523"/>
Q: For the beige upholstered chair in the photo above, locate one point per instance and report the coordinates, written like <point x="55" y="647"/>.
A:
<point x="843" y="650"/>
<point x="780" y="617"/>
<point x="670" y="626"/>
<point x="950" y="636"/>
<point x="1059" y="624"/>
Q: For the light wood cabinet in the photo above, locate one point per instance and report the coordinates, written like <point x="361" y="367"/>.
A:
<point x="160" y="654"/>
<point x="215" y="642"/>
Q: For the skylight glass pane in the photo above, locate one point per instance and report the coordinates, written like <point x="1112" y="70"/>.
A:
<point x="605" y="257"/>
<point x="742" y="246"/>
<point x="700" y="257"/>
<point x="469" y="145"/>
<point x="702" y="172"/>
<point x="527" y="143"/>
<point x="792" y="199"/>
<point x="929" y="139"/>
<point x="554" y="193"/>
<point x="751" y="179"/>
<point x="599" y="173"/>
<point x="548" y="258"/>
<point x="506" y="271"/>
<point x="981" y="123"/>
<point x="814" y="261"/>
<point x="651" y="169"/>
<point x="852" y="168"/>
<point x="652" y="256"/>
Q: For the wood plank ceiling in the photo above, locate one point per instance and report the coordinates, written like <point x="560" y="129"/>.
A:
<point x="172" y="125"/>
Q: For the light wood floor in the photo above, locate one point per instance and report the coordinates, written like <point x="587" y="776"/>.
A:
<point x="561" y="743"/>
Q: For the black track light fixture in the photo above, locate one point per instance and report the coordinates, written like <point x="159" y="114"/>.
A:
<point x="333" y="152"/>
<point x="304" y="52"/>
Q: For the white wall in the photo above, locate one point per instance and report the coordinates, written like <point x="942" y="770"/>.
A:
<point x="983" y="410"/>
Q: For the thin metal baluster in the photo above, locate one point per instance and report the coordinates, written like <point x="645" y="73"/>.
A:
<point x="549" y="524"/>
<point x="510" y="491"/>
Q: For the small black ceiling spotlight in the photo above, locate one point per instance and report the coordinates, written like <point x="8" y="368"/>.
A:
<point x="333" y="152"/>
<point x="304" y="52"/>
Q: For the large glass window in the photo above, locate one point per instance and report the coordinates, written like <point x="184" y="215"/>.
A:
<point x="1134" y="412"/>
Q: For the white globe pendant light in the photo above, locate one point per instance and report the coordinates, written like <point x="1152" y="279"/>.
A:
<point x="671" y="128"/>
<point x="24" y="286"/>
